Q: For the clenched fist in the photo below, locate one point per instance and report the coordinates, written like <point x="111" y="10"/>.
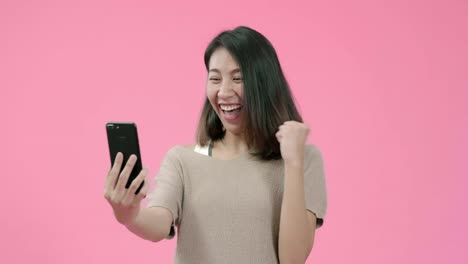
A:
<point x="292" y="136"/>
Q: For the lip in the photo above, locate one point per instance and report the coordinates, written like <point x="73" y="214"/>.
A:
<point x="219" y="105"/>
<point x="230" y="104"/>
<point x="225" y="116"/>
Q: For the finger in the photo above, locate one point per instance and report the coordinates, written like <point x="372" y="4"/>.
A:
<point x="135" y="199"/>
<point x="112" y="175"/>
<point x="117" y="168"/>
<point x="124" y="175"/>
<point x="130" y="194"/>
<point x="140" y="180"/>
<point x="278" y="136"/>
<point x="143" y="192"/>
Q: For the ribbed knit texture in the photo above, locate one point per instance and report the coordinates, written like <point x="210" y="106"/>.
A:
<point x="228" y="211"/>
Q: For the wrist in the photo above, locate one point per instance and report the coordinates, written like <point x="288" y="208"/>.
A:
<point x="294" y="164"/>
<point x="132" y="221"/>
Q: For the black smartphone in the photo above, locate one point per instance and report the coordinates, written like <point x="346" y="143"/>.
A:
<point x="123" y="137"/>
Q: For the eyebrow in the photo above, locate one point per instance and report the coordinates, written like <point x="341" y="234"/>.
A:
<point x="236" y="70"/>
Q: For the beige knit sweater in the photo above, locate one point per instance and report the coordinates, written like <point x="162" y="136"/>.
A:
<point x="228" y="211"/>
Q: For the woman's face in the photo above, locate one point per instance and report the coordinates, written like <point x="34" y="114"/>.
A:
<point x="224" y="88"/>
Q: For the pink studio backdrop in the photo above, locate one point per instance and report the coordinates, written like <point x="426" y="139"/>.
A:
<point x="382" y="84"/>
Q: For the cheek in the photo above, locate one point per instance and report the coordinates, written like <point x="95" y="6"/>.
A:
<point x="211" y="93"/>
<point x="239" y="90"/>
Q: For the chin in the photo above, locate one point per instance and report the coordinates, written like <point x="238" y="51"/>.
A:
<point x="233" y="130"/>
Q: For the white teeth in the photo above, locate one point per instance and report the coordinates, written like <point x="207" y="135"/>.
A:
<point x="229" y="107"/>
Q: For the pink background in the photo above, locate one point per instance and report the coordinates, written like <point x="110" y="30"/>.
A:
<point x="382" y="84"/>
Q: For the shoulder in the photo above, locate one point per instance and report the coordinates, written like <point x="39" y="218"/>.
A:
<point x="188" y="146"/>
<point x="312" y="152"/>
<point x="175" y="157"/>
<point x="180" y="148"/>
<point x="177" y="151"/>
<point x="313" y="163"/>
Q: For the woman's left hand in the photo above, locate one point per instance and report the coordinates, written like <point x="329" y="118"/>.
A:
<point x="292" y="136"/>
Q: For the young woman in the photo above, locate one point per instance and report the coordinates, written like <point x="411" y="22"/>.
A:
<point x="251" y="190"/>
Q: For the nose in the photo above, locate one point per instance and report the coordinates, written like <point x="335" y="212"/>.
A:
<point x="226" y="89"/>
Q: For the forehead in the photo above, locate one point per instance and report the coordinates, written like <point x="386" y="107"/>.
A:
<point x="222" y="60"/>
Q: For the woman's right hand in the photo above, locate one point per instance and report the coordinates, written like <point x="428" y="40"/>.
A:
<point x="124" y="202"/>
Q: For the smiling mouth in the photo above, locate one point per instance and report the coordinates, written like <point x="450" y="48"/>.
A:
<point x="230" y="108"/>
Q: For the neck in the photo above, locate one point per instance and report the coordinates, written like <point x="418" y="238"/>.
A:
<point x="234" y="143"/>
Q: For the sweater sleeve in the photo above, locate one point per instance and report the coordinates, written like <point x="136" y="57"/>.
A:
<point x="314" y="183"/>
<point x="168" y="192"/>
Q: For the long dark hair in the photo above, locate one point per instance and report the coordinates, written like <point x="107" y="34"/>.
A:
<point x="268" y="101"/>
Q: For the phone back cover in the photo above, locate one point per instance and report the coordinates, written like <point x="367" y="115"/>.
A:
<point x="123" y="137"/>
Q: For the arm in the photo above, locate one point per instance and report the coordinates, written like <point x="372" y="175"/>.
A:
<point x="148" y="223"/>
<point x="297" y="225"/>
<point x="302" y="173"/>
<point x="152" y="223"/>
